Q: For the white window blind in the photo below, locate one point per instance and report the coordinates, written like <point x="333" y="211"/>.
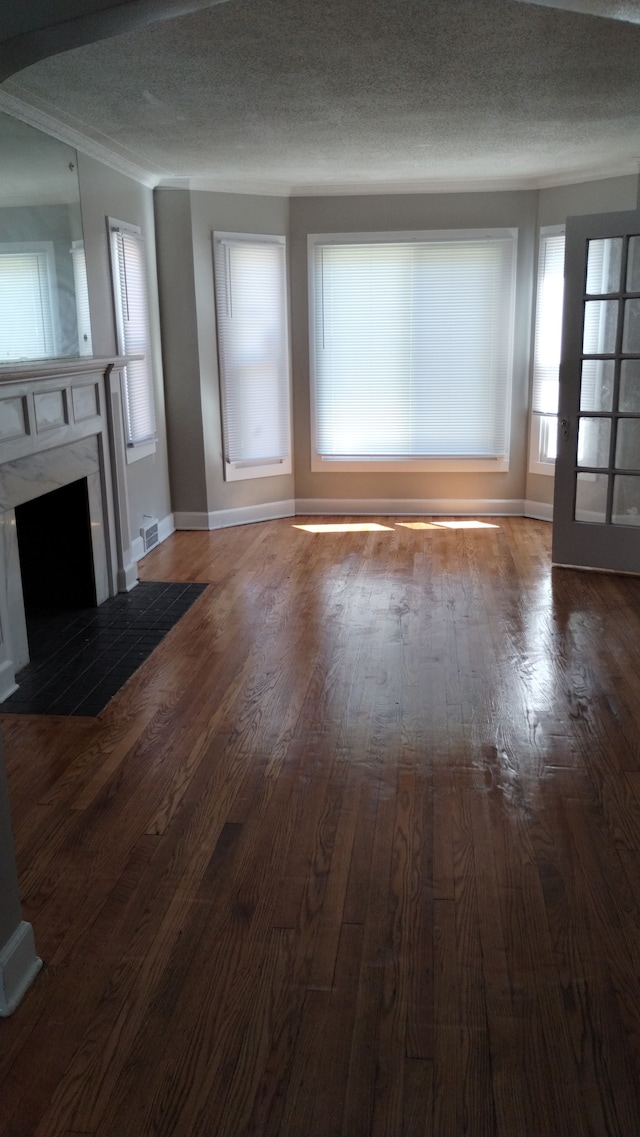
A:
<point x="253" y="350"/>
<point x="85" y="346"/>
<point x="134" y="337"/>
<point x="26" y="320"/>
<point x="548" y="323"/>
<point x="412" y="347"/>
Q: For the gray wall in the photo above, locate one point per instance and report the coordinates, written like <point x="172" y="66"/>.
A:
<point x="185" y="221"/>
<point x="106" y="193"/>
<point x="190" y="349"/>
<point x="410" y="212"/>
<point x="609" y="195"/>
<point x="181" y="358"/>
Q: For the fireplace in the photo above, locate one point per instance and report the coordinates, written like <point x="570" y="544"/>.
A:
<point x="54" y="547"/>
<point x="62" y="456"/>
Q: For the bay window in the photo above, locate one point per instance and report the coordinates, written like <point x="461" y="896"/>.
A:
<point x="411" y="349"/>
<point x="253" y="354"/>
<point x="546" y="351"/>
<point x="131" y="301"/>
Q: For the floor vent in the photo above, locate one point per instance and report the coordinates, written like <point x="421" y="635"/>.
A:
<point x="149" y="533"/>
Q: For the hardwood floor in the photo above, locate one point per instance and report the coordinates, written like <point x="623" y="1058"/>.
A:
<point x="356" y="852"/>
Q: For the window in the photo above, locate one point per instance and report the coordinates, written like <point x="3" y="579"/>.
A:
<point x="27" y="327"/>
<point x="546" y="351"/>
<point x="129" y="273"/>
<point x="411" y="341"/>
<point x="253" y="352"/>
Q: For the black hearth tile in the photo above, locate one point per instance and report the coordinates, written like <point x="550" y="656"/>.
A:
<point x="151" y="638"/>
<point x="88" y="655"/>
<point x="60" y="652"/>
<point x="64" y="699"/>
<point x="62" y="704"/>
<point x="28" y="707"/>
<point x="88" y="709"/>
<point x="129" y="637"/>
<point x="132" y="660"/>
<point x="20" y="698"/>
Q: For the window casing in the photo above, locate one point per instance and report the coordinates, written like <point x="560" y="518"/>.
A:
<point x="411" y="350"/>
<point x="83" y="315"/>
<point x="546" y="351"/>
<point x="131" y="303"/>
<point x="253" y="354"/>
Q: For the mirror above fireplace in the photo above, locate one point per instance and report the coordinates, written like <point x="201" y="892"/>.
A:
<point x="44" y="308"/>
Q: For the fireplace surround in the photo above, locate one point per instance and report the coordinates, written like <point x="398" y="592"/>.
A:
<point x="61" y="421"/>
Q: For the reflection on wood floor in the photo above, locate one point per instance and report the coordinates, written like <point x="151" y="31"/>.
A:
<point x="357" y="851"/>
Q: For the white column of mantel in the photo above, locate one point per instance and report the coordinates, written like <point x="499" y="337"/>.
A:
<point x="19" y="963"/>
<point x="127" y="572"/>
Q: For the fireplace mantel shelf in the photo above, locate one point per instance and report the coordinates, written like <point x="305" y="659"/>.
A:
<point x="50" y="368"/>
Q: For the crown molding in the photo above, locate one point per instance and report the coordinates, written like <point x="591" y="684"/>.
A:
<point x="381" y="188"/>
<point x="109" y="152"/>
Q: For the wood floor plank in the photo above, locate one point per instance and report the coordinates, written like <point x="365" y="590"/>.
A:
<point x="355" y="852"/>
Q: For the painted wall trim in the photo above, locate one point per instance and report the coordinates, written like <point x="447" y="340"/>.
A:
<point x="19" y="966"/>
<point x="241" y="515"/>
<point x="166" y="526"/>
<point x="539" y="510"/>
<point x="341" y="507"/>
<point x="397" y="507"/>
<point x="420" y="186"/>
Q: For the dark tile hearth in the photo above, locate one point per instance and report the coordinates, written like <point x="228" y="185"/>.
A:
<point x="81" y="658"/>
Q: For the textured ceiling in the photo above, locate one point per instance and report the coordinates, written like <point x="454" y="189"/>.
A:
<point x="330" y="95"/>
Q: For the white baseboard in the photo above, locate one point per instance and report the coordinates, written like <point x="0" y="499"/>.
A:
<point x="127" y="577"/>
<point x="19" y="966"/>
<point x="165" y="528"/>
<point x="410" y="507"/>
<point x="539" y="510"/>
<point x="340" y="507"/>
<point x="243" y="515"/>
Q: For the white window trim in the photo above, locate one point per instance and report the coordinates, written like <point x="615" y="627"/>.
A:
<point x="134" y="451"/>
<point x="538" y="464"/>
<point x="46" y="247"/>
<point x="83" y="309"/>
<point x="244" y="471"/>
<point x="322" y="464"/>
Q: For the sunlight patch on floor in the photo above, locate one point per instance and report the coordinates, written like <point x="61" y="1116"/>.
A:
<point x="417" y="525"/>
<point x="447" y="525"/>
<point x="359" y="527"/>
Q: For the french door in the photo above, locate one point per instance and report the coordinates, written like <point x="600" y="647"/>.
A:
<point x="597" y="484"/>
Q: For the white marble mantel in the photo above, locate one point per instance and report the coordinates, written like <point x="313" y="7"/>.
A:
<point x="61" y="420"/>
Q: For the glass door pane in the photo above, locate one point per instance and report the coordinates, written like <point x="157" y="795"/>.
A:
<point x="597" y="493"/>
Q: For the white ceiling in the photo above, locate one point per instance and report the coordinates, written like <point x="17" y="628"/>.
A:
<point x="325" y="96"/>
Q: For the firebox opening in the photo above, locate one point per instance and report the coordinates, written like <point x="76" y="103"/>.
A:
<point x="56" y="557"/>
